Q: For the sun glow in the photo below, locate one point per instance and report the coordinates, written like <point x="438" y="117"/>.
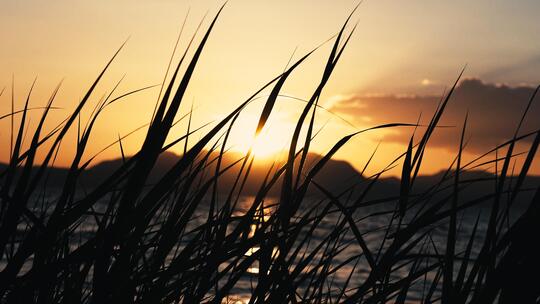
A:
<point x="272" y="140"/>
<point x="264" y="145"/>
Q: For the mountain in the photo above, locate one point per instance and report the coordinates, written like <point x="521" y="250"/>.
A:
<point x="336" y="176"/>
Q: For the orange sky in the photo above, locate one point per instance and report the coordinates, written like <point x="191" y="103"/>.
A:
<point x="414" y="49"/>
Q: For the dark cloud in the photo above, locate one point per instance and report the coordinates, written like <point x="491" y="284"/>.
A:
<point x="494" y="112"/>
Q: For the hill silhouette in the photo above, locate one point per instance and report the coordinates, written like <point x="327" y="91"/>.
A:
<point x="336" y="176"/>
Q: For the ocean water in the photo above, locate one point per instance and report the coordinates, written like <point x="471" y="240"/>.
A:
<point x="372" y="221"/>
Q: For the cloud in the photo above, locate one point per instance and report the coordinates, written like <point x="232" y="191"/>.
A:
<point x="494" y="112"/>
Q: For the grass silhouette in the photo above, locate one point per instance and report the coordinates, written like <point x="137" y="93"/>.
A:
<point x="130" y="241"/>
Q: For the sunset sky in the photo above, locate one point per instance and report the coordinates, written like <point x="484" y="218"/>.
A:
<point x="398" y="64"/>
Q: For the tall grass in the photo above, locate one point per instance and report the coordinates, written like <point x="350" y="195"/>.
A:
<point x="130" y="241"/>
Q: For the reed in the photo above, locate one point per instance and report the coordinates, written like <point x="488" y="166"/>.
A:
<point x="130" y="241"/>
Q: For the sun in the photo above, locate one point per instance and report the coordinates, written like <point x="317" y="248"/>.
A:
<point x="265" y="146"/>
<point x="272" y="139"/>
